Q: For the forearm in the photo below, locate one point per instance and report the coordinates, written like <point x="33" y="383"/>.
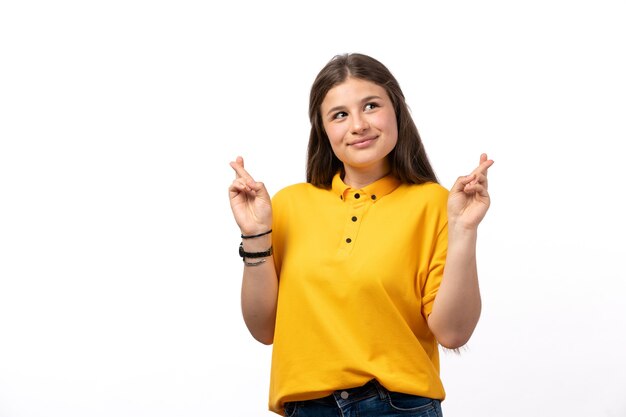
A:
<point x="457" y="306"/>
<point x="259" y="292"/>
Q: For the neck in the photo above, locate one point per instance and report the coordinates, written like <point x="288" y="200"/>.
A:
<point x="358" y="179"/>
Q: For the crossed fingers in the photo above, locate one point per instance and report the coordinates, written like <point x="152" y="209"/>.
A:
<point x="243" y="180"/>
<point x="479" y="175"/>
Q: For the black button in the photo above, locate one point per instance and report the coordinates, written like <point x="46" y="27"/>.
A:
<point x="357" y="195"/>
<point x="353" y="218"/>
<point x="373" y="197"/>
<point x="341" y="197"/>
<point x="348" y="240"/>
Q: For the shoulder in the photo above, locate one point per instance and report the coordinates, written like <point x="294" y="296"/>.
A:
<point x="295" y="193"/>
<point x="429" y="201"/>
<point x="292" y="190"/>
<point x="429" y="192"/>
<point x="434" y="189"/>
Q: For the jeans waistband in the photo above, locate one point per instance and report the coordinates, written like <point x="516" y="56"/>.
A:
<point x="349" y="395"/>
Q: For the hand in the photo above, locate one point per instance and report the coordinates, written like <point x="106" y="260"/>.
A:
<point x="249" y="201"/>
<point x="469" y="200"/>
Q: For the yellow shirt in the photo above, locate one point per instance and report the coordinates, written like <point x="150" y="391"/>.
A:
<point x="358" y="274"/>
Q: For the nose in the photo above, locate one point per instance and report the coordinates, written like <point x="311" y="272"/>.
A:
<point x="359" y="124"/>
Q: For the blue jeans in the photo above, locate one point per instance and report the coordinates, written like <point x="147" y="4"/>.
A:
<point x="370" y="400"/>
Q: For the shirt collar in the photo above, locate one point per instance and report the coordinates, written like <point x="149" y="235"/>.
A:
<point x="375" y="190"/>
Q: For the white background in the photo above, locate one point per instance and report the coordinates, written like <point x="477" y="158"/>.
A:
<point x="119" y="274"/>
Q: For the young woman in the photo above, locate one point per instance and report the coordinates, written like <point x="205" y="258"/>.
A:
<point x="359" y="274"/>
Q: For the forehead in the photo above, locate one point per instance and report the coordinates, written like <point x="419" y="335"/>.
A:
<point x="353" y="89"/>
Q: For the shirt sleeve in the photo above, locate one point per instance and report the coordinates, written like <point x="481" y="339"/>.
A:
<point x="437" y="261"/>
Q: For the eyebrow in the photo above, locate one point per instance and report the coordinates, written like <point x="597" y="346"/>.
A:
<point x="364" y="100"/>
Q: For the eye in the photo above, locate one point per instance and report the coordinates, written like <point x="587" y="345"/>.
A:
<point x="371" y="106"/>
<point x="340" y="115"/>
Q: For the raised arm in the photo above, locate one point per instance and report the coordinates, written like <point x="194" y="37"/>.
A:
<point x="252" y="209"/>
<point x="457" y="306"/>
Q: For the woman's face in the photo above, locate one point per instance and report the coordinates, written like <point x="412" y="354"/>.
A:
<point x="360" y="122"/>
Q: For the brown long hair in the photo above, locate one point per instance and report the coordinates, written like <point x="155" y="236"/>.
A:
<point x="408" y="160"/>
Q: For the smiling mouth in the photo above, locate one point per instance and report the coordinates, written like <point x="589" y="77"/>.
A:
<point x="362" y="142"/>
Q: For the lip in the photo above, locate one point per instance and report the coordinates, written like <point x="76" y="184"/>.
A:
<point x="363" y="142"/>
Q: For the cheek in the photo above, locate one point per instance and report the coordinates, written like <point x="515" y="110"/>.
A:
<point x="335" y="134"/>
<point x="394" y="130"/>
<point x="386" y="123"/>
<point x="390" y="126"/>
